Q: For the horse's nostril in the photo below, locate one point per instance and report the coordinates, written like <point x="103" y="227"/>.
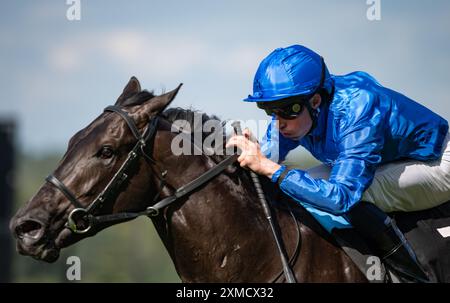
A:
<point x="29" y="228"/>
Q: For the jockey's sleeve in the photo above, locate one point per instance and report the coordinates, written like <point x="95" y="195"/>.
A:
<point x="274" y="145"/>
<point x="360" y="142"/>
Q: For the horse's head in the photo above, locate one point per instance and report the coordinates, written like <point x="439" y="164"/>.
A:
<point x="93" y="157"/>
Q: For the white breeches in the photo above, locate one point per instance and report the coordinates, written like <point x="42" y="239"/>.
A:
<point x="407" y="185"/>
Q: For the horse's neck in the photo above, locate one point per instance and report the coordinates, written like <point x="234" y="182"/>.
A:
<point x="219" y="232"/>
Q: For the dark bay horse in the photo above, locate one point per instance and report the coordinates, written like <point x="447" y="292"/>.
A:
<point x="218" y="233"/>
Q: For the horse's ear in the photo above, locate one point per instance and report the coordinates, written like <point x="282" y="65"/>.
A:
<point x="160" y="103"/>
<point x="132" y="88"/>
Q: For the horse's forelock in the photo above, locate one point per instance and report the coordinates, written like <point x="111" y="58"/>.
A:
<point x="138" y="99"/>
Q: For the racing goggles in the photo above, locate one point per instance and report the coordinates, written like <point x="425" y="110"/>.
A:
<point x="288" y="109"/>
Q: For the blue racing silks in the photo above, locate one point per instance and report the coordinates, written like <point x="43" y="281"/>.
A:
<point x="364" y="125"/>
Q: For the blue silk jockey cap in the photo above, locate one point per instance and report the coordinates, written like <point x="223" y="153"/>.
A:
<point x="287" y="72"/>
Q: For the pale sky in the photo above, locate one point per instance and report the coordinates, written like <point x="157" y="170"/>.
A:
<point x="58" y="75"/>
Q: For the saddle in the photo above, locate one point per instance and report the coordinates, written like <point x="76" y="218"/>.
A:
<point x="427" y="231"/>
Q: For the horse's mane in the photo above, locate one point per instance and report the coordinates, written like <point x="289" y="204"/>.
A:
<point x="181" y="114"/>
<point x="138" y="98"/>
<point x="189" y="115"/>
<point x="171" y="114"/>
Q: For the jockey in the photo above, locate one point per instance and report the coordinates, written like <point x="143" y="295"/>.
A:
<point x="381" y="151"/>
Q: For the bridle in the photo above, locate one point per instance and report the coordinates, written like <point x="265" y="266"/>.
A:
<point x="142" y="148"/>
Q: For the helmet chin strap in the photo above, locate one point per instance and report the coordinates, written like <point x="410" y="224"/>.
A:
<point x="314" y="114"/>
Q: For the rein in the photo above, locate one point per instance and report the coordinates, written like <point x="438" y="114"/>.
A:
<point x="112" y="189"/>
<point x="81" y="219"/>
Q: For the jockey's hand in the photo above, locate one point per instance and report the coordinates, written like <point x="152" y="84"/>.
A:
<point x="251" y="156"/>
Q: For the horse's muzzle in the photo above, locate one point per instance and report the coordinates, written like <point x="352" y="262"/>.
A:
<point x="30" y="236"/>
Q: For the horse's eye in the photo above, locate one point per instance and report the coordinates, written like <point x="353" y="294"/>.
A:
<point x="106" y="152"/>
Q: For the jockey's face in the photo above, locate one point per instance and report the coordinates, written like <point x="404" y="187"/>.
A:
<point x="298" y="127"/>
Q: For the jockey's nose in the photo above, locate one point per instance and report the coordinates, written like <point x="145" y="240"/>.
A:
<point x="281" y="124"/>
